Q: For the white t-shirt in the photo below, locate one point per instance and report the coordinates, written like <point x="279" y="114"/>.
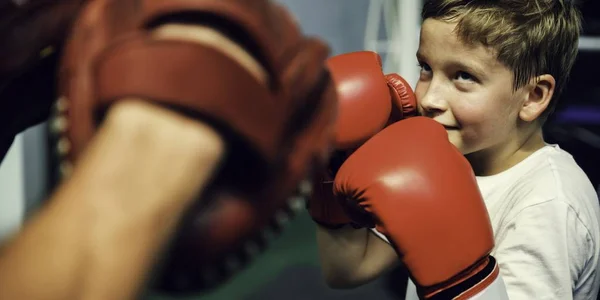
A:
<point x="546" y="220"/>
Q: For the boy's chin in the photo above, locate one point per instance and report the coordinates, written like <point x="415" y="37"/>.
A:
<point x="456" y="139"/>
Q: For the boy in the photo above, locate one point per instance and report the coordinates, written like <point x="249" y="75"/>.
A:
<point x="491" y="73"/>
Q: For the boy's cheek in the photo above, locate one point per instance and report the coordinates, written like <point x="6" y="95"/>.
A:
<point x="471" y="112"/>
<point x="420" y="90"/>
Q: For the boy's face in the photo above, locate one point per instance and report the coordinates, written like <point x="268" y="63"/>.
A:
<point x="465" y="88"/>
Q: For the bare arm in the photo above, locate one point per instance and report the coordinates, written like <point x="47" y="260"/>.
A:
<point x="98" y="235"/>
<point x="100" y="231"/>
<point x="352" y="257"/>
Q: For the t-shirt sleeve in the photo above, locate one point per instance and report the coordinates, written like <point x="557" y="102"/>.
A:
<point x="542" y="250"/>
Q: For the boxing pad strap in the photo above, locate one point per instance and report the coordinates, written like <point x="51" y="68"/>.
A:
<point x="194" y="77"/>
<point x="244" y="20"/>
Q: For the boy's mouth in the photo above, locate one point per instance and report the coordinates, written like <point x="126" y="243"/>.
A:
<point x="450" y="127"/>
<point x="447" y="127"/>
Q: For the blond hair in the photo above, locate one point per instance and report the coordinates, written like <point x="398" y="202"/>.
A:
<point x="530" y="37"/>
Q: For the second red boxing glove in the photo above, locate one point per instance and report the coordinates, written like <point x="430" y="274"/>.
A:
<point x="368" y="101"/>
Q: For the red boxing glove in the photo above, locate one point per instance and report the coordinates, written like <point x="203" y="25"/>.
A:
<point x="368" y="101"/>
<point x="411" y="183"/>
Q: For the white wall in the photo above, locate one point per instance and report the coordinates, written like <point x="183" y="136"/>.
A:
<point x="389" y="27"/>
<point x="12" y="191"/>
<point x="23" y="179"/>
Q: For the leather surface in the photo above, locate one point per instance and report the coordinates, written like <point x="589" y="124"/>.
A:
<point x="415" y="187"/>
<point x="276" y="132"/>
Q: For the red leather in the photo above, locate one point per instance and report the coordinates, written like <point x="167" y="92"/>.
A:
<point x="413" y="185"/>
<point x="368" y="101"/>
<point x="364" y="98"/>
<point x="404" y="101"/>
<point x="277" y="131"/>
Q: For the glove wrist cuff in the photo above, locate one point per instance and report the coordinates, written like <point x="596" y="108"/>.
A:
<point x="466" y="284"/>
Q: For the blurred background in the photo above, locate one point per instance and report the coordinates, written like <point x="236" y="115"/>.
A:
<point x="289" y="269"/>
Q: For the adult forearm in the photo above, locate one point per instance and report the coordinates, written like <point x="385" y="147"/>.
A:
<point x="99" y="234"/>
<point x="45" y="261"/>
<point x="59" y="255"/>
<point x="72" y="251"/>
<point x="165" y="169"/>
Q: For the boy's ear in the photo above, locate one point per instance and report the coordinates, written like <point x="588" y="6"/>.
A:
<point x="540" y="93"/>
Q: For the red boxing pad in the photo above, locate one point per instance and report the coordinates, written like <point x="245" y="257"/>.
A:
<point x="276" y="132"/>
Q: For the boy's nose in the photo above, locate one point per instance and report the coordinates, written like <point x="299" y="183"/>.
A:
<point x="432" y="103"/>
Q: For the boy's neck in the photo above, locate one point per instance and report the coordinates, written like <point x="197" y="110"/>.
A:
<point x="506" y="155"/>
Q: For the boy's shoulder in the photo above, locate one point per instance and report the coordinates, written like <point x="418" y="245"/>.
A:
<point x="549" y="175"/>
<point x="541" y="207"/>
<point x="553" y="173"/>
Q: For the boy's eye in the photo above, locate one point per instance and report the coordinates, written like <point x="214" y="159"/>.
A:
<point x="464" y="76"/>
<point x="424" y="67"/>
